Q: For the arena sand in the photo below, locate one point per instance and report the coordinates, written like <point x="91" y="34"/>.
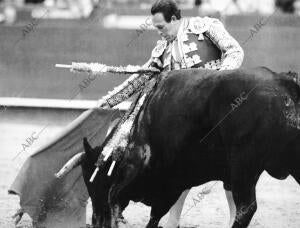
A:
<point x="278" y="201"/>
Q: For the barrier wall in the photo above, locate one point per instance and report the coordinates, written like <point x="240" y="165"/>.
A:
<point x="27" y="62"/>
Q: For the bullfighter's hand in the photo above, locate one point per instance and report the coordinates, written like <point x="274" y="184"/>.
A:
<point x="103" y="104"/>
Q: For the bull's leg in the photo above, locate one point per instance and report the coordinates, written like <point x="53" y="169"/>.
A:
<point x="295" y="169"/>
<point x="231" y="205"/>
<point x="118" y="200"/>
<point x="245" y="201"/>
<point x="157" y="213"/>
<point x="97" y="217"/>
<point x="297" y="179"/>
<point x="227" y="187"/>
<point x="117" y="206"/>
<point x="115" y="213"/>
<point x="159" y="209"/>
<point x="175" y="211"/>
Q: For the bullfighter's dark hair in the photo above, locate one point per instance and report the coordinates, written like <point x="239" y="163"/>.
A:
<point x="168" y="8"/>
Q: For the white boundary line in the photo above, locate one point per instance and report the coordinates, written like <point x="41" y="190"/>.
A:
<point x="54" y="103"/>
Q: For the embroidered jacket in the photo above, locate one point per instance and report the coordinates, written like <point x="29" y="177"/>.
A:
<point x="200" y="43"/>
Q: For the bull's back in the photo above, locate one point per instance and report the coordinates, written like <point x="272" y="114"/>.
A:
<point x="213" y="111"/>
<point x="191" y="97"/>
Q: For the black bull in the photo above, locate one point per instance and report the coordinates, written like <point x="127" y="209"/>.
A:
<point x="198" y="126"/>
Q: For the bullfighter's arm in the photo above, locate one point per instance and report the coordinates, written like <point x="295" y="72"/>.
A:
<point x="233" y="54"/>
<point x="127" y="89"/>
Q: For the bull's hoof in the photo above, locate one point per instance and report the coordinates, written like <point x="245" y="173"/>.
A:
<point x="18" y="215"/>
<point x="122" y="223"/>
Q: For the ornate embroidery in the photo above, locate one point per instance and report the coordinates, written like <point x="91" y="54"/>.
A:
<point x="158" y="62"/>
<point x="196" y="59"/>
<point x="200" y="37"/>
<point x="199" y="25"/>
<point x="129" y="90"/>
<point x="189" y="62"/>
<point x="120" y="138"/>
<point x="233" y="54"/>
<point x="189" y="47"/>
<point x="214" y="65"/>
<point x="119" y="141"/>
<point x="184" y="37"/>
<point x="159" y="48"/>
<point x="207" y="49"/>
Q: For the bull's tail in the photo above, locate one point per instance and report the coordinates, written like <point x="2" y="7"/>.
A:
<point x="291" y="81"/>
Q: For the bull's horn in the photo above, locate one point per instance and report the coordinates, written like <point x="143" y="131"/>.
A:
<point x="71" y="164"/>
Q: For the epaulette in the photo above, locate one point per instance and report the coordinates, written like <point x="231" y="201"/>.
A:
<point x="199" y="25"/>
<point x="159" y="48"/>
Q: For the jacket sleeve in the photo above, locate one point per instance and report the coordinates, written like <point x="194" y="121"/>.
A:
<point x="233" y="54"/>
<point x="127" y="89"/>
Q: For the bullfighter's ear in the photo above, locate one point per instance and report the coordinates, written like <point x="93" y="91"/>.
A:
<point x="87" y="147"/>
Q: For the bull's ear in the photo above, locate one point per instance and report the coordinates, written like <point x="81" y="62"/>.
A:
<point x="87" y="147"/>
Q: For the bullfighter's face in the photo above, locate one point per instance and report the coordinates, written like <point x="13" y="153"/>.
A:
<point x="168" y="30"/>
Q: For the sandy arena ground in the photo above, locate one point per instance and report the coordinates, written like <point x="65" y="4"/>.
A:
<point x="278" y="201"/>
